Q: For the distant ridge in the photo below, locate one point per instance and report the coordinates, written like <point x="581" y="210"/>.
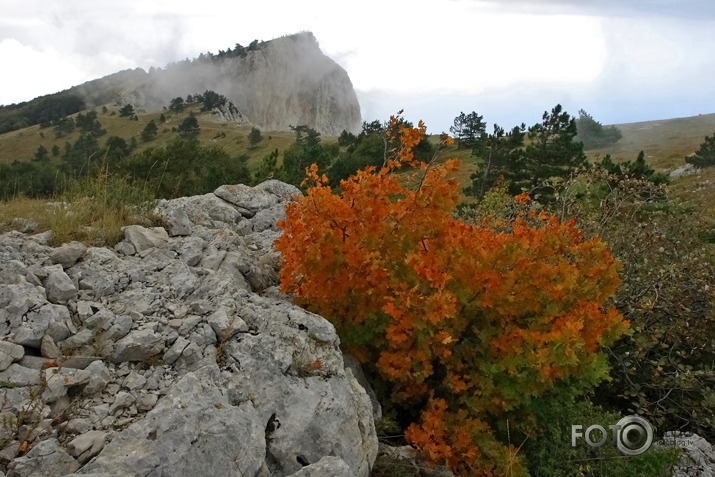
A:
<point x="275" y="84"/>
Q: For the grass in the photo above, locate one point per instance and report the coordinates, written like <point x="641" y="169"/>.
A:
<point x="92" y="211"/>
<point x="101" y="207"/>
<point x="666" y="143"/>
<point x="22" y="144"/>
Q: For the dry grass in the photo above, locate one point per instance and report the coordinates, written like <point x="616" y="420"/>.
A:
<point x="22" y="144"/>
<point x="92" y="211"/>
<point x="666" y="143"/>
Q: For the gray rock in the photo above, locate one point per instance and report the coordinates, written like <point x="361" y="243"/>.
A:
<point x="17" y="375"/>
<point x="78" y="426"/>
<point x="15" y="301"/>
<point x="60" y="380"/>
<point x="138" y="345"/>
<point x="190" y="249"/>
<point x="191" y="357"/>
<point x="134" y="381"/>
<point x="146" y="402"/>
<point x="686" y="170"/>
<point x="77" y="341"/>
<point x="46" y="459"/>
<point x="99" y="377"/>
<point x="174" y="352"/>
<point x="59" y="286"/>
<point x="179" y="223"/>
<point x="698" y="457"/>
<point x="193" y="421"/>
<point x="48" y="348"/>
<point x="284" y="192"/>
<point x="229" y="381"/>
<point x="143" y="238"/>
<point x="48" y="319"/>
<point x="10" y="353"/>
<point x="247" y="199"/>
<point x="68" y="254"/>
<point x="121" y="401"/>
<point x="99" y="283"/>
<point x="328" y="466"/>
<point x="125" y="248"/>
<point x="225" y="326"/>
<point x="86" y="446"/>
<point x="354" y="366"/>
<point x="206" y="210"/>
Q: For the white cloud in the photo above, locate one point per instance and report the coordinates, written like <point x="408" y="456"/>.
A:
<point x="491" y="55"/>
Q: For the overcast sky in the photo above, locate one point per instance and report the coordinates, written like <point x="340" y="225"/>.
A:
<point x="510" y="60"/>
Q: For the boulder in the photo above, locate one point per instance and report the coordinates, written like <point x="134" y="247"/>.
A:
<point x="68" y="254"/>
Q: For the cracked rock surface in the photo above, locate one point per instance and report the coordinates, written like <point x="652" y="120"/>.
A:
<point x="173" y="353"/>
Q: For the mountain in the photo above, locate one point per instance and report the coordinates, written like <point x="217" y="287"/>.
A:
<point x="275" y="84"/>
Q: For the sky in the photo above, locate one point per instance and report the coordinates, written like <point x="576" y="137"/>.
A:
<point x="508" y="60"/>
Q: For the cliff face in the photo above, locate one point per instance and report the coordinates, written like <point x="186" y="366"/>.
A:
<point x="282" y="82"/>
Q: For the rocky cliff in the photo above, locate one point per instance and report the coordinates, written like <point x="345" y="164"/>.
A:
<point x="278" y="83"/>
<point x="173" y="354"/>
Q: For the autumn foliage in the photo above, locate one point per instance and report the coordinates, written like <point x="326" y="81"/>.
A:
<point x="466" y="322"/>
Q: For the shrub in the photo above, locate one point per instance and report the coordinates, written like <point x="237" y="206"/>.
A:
<point x="705" y="155"/>
<point x="464" y="323"/>
<point x="664" y="369"/>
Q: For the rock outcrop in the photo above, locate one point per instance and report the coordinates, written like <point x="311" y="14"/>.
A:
<point x="698" y="455"/>
<point x="173" y="353"/>
<point x="279" y="83"/>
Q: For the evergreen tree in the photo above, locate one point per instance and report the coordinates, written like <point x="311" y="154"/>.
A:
<point x="116" y="149"/>
<point x="592" y="134"/>
<point x="467" y="128"/>
<point x="254" y="137"/>
<point x="177" y="105"/>
<point x="150" y="131"/>
<point x="705" y="155"/>
<point x="306" y="150"/>
<point x="500" y="154"/>
<point x="41" y="155"/>
<point x="551" y="153"/>
<point x="127" y="111"/>
<point x="189" y="127"/>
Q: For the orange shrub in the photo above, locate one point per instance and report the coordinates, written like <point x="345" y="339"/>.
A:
<point x="467" y="321"/>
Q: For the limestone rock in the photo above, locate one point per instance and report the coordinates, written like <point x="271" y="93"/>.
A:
<point x="143" y="238"/>
<point x="282" y="82"/>
<point x="245" y="198"/>
<point x="59" y="286"/>
<point x="68" y="254"/>
<point x="179" y="223"/>
<point x="86" y="446"/>
<point x="192" y="421"/>
<point x="137" y="346"/>
<point x="698" y="457"/>
<point x="328" y="466"/>
<point x="176" y="356"/>
<point x="10" y="353"/>
<point x="46" y="459"/>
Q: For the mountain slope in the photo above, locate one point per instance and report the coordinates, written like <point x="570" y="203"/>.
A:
<point x="274" y="84"/>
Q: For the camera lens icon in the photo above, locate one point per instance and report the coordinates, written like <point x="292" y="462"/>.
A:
<point x="634" y="435"/>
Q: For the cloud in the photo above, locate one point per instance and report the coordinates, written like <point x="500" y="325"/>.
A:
<point x="610" y="8"/>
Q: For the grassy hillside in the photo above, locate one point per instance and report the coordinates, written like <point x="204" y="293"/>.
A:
<point x="665" y="143"/>
<point x="22" y="144"/>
